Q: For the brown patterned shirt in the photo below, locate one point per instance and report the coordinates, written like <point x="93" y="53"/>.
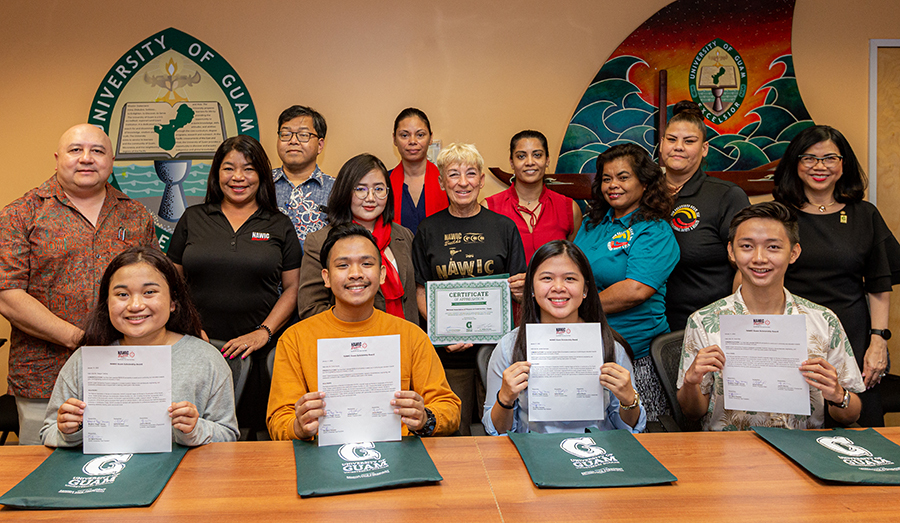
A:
<point x="50" y="250"/>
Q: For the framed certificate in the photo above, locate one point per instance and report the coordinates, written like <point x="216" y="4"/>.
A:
<point x="468" y="311"/>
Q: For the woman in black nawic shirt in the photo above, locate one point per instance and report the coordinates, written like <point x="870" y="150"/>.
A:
<point x="465" y="240"/>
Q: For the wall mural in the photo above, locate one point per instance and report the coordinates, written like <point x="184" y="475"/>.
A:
<point x="166" y="105"/>
<point x="733" y="58"/>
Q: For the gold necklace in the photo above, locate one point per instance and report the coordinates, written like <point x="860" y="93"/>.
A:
<point x="823" y="208"/>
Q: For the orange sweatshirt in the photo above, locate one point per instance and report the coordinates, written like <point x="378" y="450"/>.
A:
<point x="295" y="371"/>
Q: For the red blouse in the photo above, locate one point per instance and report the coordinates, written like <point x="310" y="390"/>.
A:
<point x="555" y="221"/>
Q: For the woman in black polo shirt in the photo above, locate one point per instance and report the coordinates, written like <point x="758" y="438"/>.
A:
<point x="704" y="207"/>
<point x="241" y="259"/>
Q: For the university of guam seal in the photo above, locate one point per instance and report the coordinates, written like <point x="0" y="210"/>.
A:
<point x="718" y="80"/>
<point x="168" y="102"/>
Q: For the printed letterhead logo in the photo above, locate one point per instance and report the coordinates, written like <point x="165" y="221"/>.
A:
<point x="620" y="240"/>
<point x="759" y="322"/>
<point x="562" y="331"/>
<point x="685" y="218"/>
<point x="718" y="80"/>
<point x="589" y="457"/>
<point x="170" y="100"/>
<point x="125" y="354"/>
<point x="358" y="346"/>
<point x="102" y="470"/>
<point x="852" y="454"/>
<point x="362" y="460"/>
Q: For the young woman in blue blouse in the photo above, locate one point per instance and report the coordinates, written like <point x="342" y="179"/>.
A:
<point x="559" y="289"/>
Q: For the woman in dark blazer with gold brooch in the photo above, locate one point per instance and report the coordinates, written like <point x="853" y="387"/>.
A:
<point x="362" y="194"/>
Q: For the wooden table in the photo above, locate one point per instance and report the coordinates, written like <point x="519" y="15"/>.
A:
<point x="721" y="476"/>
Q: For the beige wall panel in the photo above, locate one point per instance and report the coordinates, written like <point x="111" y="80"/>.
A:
<point x="481" y="70"/>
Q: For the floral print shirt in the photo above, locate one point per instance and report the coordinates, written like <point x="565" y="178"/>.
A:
<point x="826" y="339"/>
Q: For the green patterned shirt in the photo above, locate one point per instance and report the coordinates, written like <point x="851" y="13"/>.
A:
<point x="826" y="340"/>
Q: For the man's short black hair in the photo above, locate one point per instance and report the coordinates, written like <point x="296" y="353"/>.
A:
<point x="772" y="211"/>
<point x="345" y="230"/>
<point x="296" y="111"/>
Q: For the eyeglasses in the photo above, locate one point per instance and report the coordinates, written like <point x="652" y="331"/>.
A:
<point x="831" y="161"/>
<point x="362" y="192"/>
<point x="302" y="136"/>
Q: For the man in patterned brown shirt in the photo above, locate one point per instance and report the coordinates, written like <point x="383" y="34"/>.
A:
<point x="55" y="242"/>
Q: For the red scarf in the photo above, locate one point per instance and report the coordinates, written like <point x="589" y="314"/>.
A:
<point x="392" y="288"/>
<point x="435" y="197"/>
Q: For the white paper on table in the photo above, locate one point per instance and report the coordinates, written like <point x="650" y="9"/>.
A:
<point x="762" y="363"/>
<point x="359" y="377"/>
<point x="127" y="390"/>
<point x="564" y="381"/>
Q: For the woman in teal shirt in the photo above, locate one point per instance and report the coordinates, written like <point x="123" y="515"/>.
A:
<point x="632" y="250"/>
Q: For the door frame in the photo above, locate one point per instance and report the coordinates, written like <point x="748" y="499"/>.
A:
<point x="874" y="45"/>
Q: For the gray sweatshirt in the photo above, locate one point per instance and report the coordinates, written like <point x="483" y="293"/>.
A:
<point x="200" y="375"/>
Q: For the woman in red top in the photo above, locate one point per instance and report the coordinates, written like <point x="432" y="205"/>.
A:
<point x="417" y="192"/>
<point x="540" y="214"/>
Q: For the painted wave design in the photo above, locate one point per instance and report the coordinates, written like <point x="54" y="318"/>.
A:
<point x="612" y="112"/>
<point x="140" y="181"/>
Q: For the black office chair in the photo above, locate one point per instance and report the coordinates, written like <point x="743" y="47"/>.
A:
<point x="240" y="371"/>
<point x="270" y="363"/>
<point x="890" y="393"/>
<point x="9" y="416"/>
<point x="665" y="350"/>
<point x="484" y="358"/>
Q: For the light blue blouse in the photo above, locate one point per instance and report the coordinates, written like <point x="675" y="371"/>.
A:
<point x="502" y="358"/>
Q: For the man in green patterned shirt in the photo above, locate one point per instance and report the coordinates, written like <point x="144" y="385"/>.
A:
<point x="763" y="241"/>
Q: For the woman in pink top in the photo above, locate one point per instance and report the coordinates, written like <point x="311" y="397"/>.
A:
<point x="540" y="214"/>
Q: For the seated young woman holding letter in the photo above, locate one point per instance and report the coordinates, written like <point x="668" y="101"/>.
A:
<point x="144" y="301"/>
<point x="559" y="288"/>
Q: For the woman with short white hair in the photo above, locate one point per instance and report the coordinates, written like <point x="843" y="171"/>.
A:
<point x="464" y="241"/>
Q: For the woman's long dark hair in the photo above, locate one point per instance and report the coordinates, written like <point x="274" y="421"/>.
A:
<point x="255" y="154"/>
<point x="788" y="185"/>
<point x="590" y="311"/>
<point x="355" y="169"/>
<point x="184" y="319"/>
<point x="656" y="203"/>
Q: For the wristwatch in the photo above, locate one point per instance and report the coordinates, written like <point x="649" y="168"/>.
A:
<point x="884" y="333"/>
<point x="428" y="429"/>
<point x="634" y="404"/>
<point x="844" y="404"/>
